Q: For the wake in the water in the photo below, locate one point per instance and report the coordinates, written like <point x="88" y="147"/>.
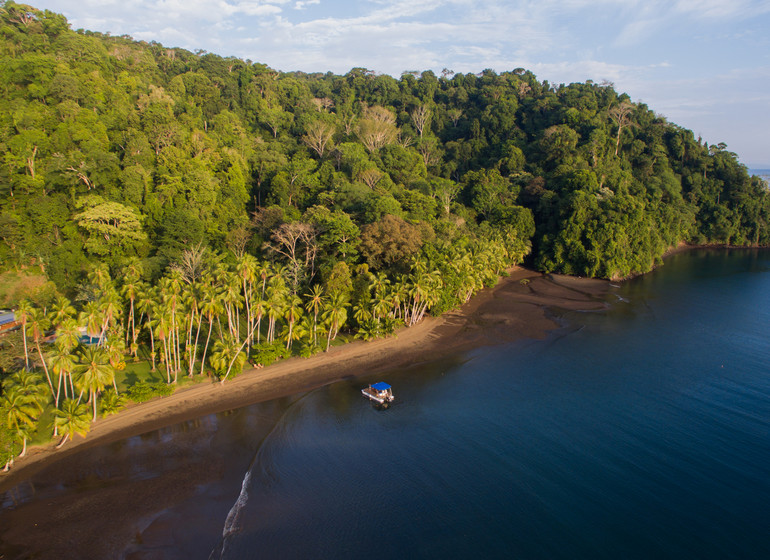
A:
<point x="232" y="522"/>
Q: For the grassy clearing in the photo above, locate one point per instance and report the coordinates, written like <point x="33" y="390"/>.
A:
<point x="16" y="285"/>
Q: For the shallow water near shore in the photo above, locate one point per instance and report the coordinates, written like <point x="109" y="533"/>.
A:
<point x="642" y="431"/>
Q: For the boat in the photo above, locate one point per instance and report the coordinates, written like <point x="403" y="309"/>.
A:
<point x="380" y="392"/>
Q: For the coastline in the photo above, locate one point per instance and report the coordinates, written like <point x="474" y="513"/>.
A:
<point x="509" y="311"/>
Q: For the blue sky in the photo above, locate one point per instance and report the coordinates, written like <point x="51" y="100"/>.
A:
<point x="703" y="64"/>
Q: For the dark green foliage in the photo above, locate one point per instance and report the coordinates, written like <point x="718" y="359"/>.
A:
<point x="265" y="354"/>
<point x="115" y="150"/>
<point x="144" y="391"/>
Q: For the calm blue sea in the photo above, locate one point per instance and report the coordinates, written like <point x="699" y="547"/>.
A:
<point x="763" y="173"/>
<point x="638" y="432"/>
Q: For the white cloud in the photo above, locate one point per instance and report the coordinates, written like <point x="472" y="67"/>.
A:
<point x="302" y="5"/>
<point x="720" y="9"/>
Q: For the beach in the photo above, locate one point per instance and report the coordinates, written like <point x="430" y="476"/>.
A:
<point x="524" y="304"/>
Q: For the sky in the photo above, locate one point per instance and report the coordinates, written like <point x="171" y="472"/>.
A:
<point x="703" y="64"/>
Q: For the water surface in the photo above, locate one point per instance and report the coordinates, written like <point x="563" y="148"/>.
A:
<point x="638" y="432"/>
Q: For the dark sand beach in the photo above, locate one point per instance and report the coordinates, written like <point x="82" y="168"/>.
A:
<point x="102" y="522"/>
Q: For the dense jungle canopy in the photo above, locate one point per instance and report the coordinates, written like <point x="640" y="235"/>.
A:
<point x="117" y="151"/>
<point x="185" y="212"/>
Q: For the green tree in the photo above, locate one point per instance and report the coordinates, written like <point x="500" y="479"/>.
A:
<point x="94" y="373"/>
<point x="72" y="418"/>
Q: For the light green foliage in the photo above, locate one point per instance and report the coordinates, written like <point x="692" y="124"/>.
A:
<point x="113" y="228"/>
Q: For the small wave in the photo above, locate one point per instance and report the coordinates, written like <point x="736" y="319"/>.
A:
<point x="233" y="517"/>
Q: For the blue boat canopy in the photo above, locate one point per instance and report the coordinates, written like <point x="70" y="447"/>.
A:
<point x="380" y="386"/>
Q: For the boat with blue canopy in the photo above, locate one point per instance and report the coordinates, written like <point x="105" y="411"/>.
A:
<point x="380" y="392"/>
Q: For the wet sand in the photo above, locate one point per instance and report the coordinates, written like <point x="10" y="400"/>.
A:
<point x="102" y="521"/>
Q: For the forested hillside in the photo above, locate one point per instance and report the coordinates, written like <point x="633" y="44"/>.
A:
<point x="192" y="211"/>
<point x="115" y="150"/>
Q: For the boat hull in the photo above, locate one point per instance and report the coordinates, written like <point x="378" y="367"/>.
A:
<point x="377" y="397"/>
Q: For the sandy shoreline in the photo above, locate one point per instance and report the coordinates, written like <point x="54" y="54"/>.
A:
<point x="509" y="311"/>
<point x="133" y="518"/>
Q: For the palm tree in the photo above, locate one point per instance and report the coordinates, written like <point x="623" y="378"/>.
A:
<point x="335" y="315"/>
<point x="211" y="308"/>
<point x="91" y="318"/>
<point x="226" y="354"/>
<point x="170" y="289"/>
<point x="263" y="273"/>
<point x="61" y="311"/>
<point x="293" y="311"/>
<point x="28" y="382"/>
<point x="163" y="330"/>
<point x="231" y="297"/>
<point x="247" y="270"/>
<point x="315" y="303"/>
<point x="68" y="335"/>
<point x="130" y="289"/>
<point x="276" y="293"/>
<point x="146" y="304"/>
<point x="258" y="308"/>
<point x="100" y="277"/>
<point x="194" y="315"/>
<point x="39" y="323"/>
<point x="20" y="412"/>
<point x="111" y="308"/>
<point x="94" y="373"/>
<point x="71" y="419"/>
<point x="22" y="314"/>
<point x="62" y="364"/>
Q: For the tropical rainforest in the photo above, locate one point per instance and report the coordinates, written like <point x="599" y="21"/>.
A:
<point x="191" y="211"/>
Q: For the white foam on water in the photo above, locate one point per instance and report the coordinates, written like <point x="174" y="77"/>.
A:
<point x="233" y="517"/>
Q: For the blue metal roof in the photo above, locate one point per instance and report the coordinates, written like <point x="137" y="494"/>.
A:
<point x="380" y="386"/>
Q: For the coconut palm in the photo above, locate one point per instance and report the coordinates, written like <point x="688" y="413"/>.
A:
<point x="146" y="303"/>
<point x="72" y="418"/>
<point x="62" y="364"/>
<point x="94" y="373"/>
<point x="100" y="277"/>
<point x="258" y="309"/>
<point x="91" y="318"/>
<point x="20" y="411"/>
<point x="130" y="290"/>
<point x="335" y="315"/>
<point x="233" y="301"/>
<point x="170" y="289"/>
<point x="111" y="308"/>
<point x="276" y="294"/>
<point x="68" y="335"/>
<point x="29" y="383"/>
<point x="315" y="304"/>
<point x="247" y="271"/>
<point x="225" y="354"/>
<point x="38" y="323"/>
<point x="210" y="308"/>
<point x="163" y="330"/>
<point x="61" y="311"/>
<point x="193" y="317"/>
<point x="116" y="350"/>
<point x="292" y="312"/>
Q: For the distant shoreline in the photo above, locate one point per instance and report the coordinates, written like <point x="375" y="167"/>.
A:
<point x="514" y="309"/>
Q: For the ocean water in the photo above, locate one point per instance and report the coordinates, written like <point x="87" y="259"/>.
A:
<point x="762" y="173"/>
<point x="639" y="432"/>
